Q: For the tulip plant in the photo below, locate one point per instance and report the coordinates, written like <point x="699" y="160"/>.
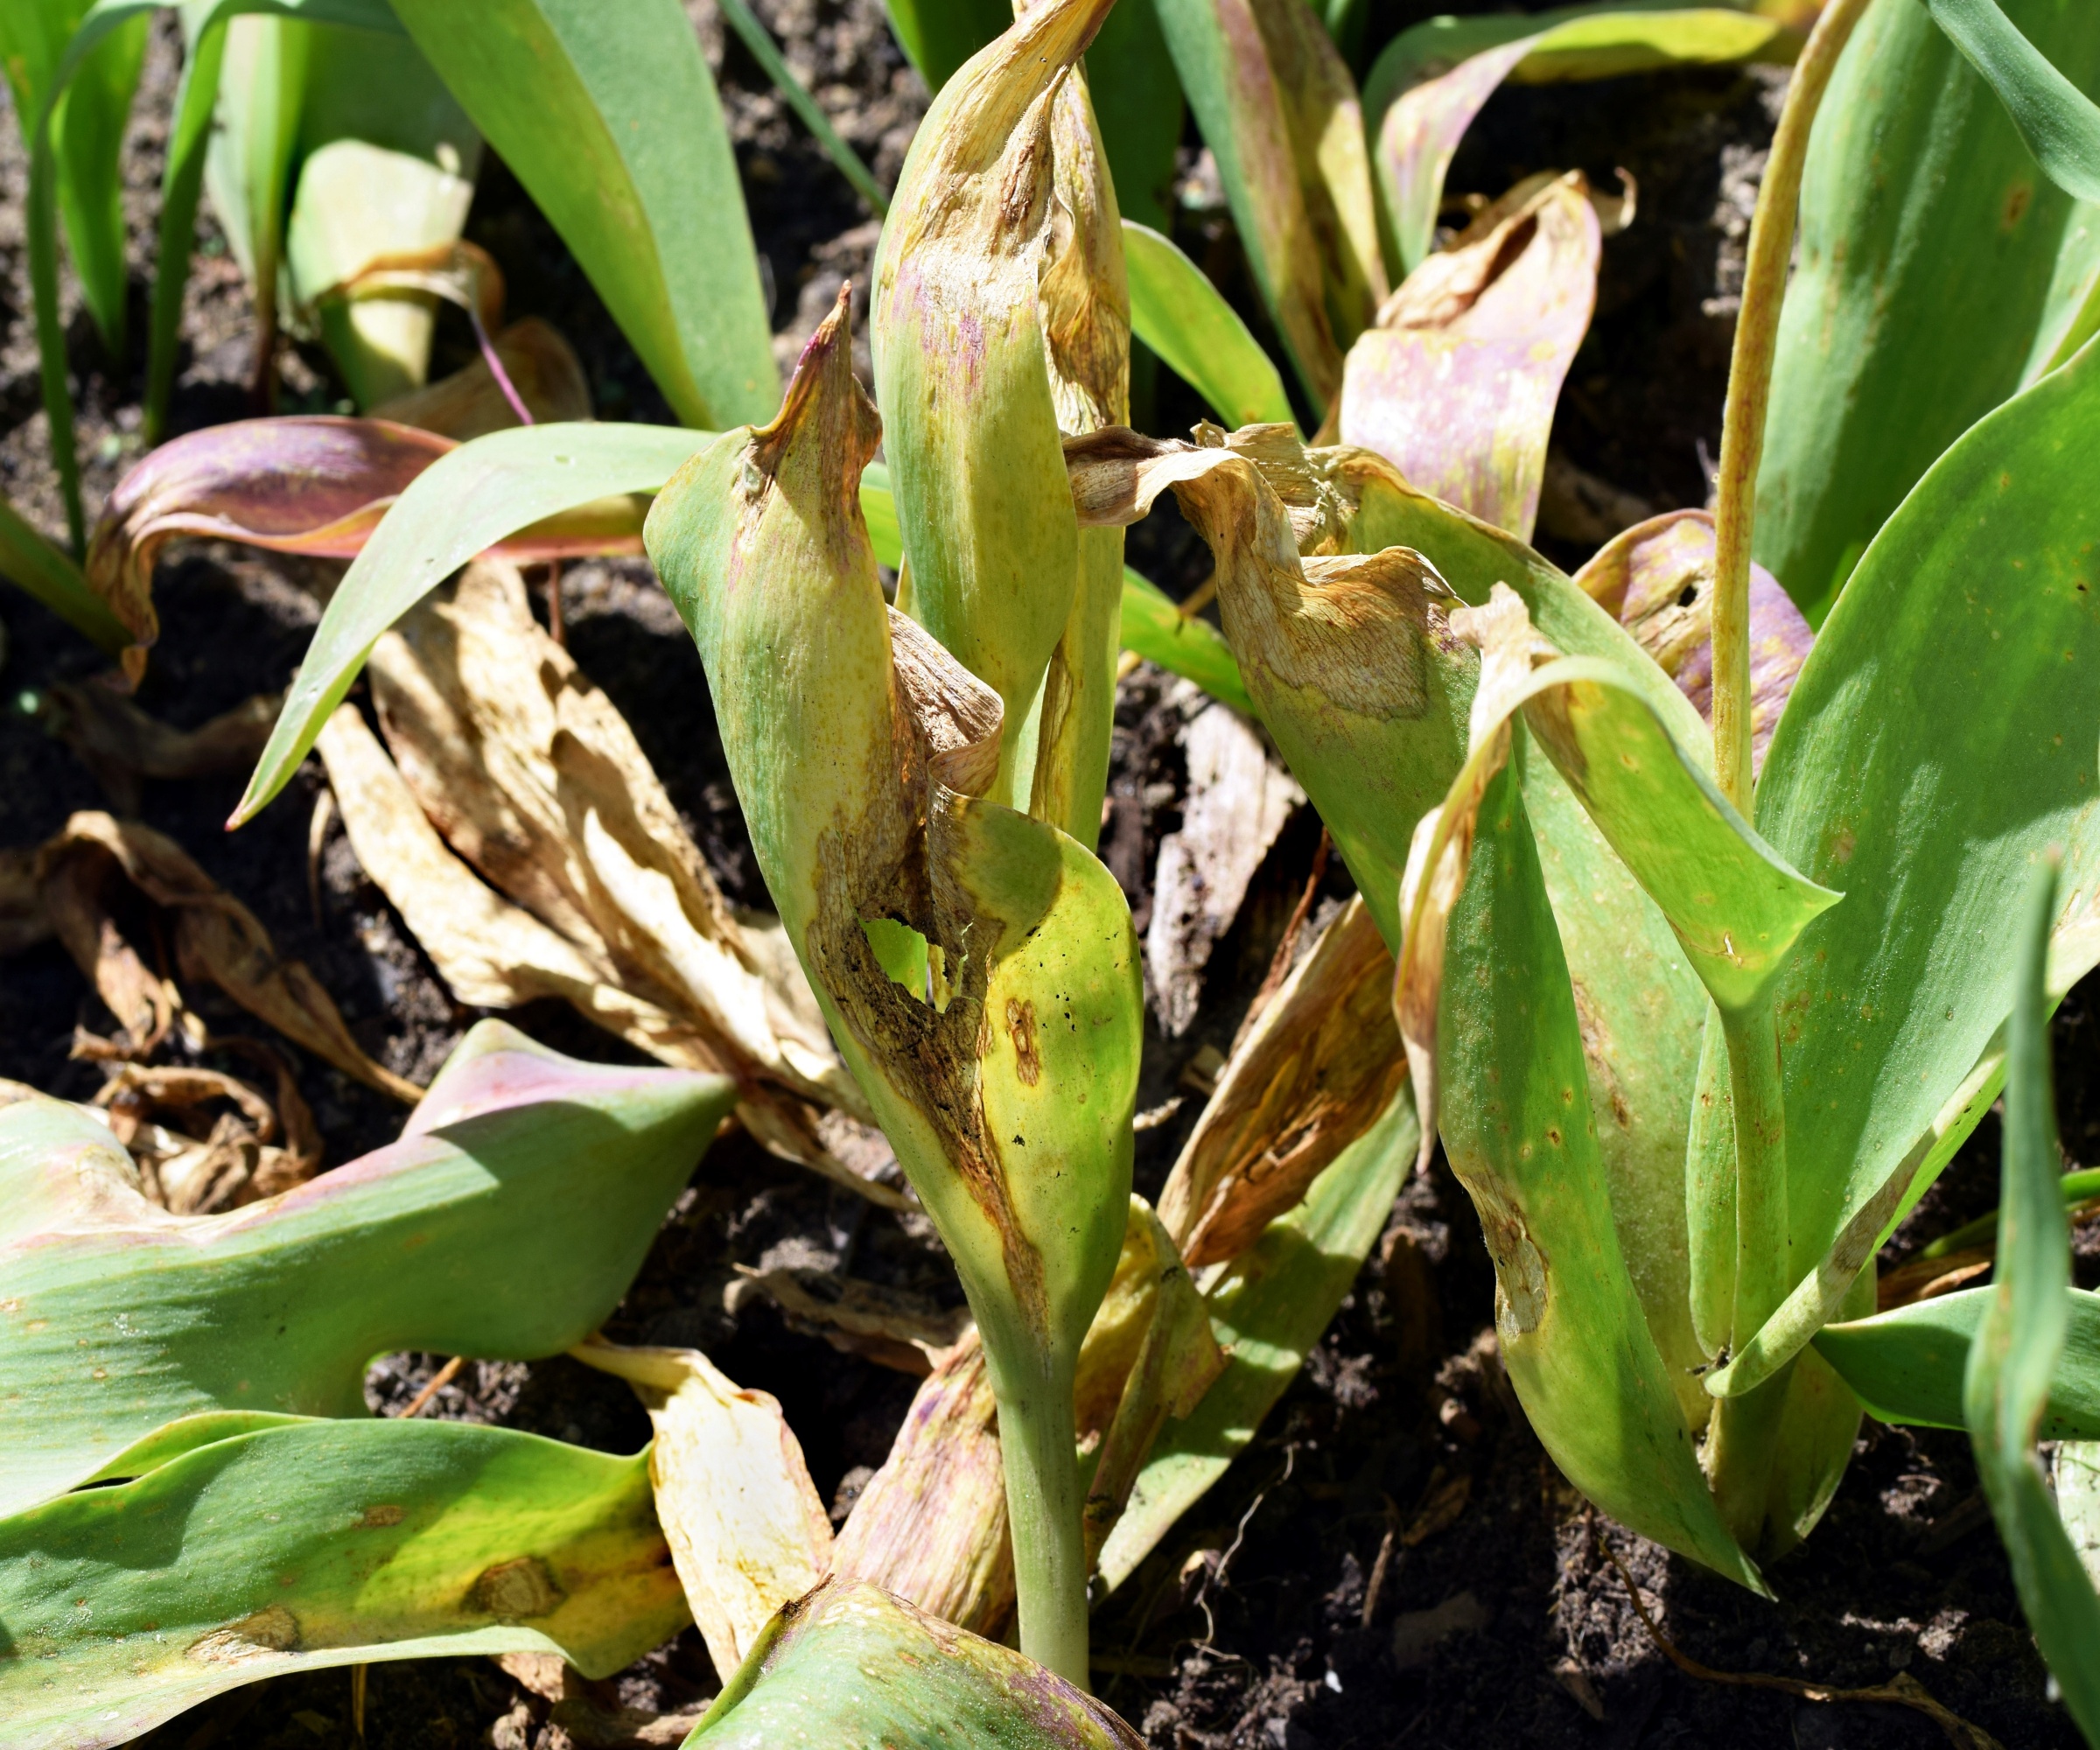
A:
<point x="1711" y="935"/>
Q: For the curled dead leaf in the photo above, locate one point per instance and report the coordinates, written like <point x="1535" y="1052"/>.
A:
<point x="120" y="745"/>
<point x="1311" y="1077"/>
<point x="542" y="367"/>
<point x="748" y="1532"/>
<point x="80" y="874"/>
<point x="510" y="762"/>
<point x="890" y="1328"/>
<point x="1656" y="580"/>
<point x="1455" y="383"/>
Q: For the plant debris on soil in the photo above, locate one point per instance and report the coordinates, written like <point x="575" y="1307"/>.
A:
<point x="1394" y="1561"/>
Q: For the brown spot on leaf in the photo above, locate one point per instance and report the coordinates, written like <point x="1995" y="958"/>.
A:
<point x="517" y="1591"/>
<point x="1027" y="1059"/>
<point x="272" y="1630"/>
<point x="378" y="1518"/>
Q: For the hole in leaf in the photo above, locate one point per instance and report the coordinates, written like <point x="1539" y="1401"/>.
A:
<point x="902" y="953"/>
<point x="1687" y="595"/>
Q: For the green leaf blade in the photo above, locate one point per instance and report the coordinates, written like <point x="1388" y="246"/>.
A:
<point x="612" y="121"/>
<point x="466" y="502"/>
<point x="314" y="1545"/>
<point x="1177" y="313"/>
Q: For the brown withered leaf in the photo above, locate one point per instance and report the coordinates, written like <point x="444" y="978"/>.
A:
<point x="214" y="936"/>
<point x="494" y="954"/>
<point x="931" y="1524"/>
<point x="1656" y="580"/>
<point x="533" y="776"/>
<point x="1455" y="384"/>
<point x="1313" y="1072"/>
<point x="542" y="367"/>
<point x="748" y="1532"/>
<point x="120" y="745"/>
<point x="857" y="1318"/>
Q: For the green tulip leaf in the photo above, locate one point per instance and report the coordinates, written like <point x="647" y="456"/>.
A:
<point x="1930" y="257"/>
<point x="1278" y="110"/>
<point x="467" y="500"/>
<point x="1155" y="627"/>
<point x="850" y="1665"/>
<point x="311" y="1544"/>
<point x="862" y="752"/>
<point x="1431" y="81"/>
<point x="938" y="36"/>
<point x="1177" y="313"/>
<point x="611" y="121"/>
<point x="1940" y="737"/>
<point x="188" y="134"/>
<point x="1907" y="1366"/>
<point x="2059" y="123"/>
<point x="1269" y="1310"/>
<point x="2025" y="1336"/>
<point x="40" y="569"/>
<point x="506" y="1222"/>
<point x="1488" y="1014"/>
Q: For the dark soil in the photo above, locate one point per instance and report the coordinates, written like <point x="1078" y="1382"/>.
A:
<point x="1397" y="1478"/>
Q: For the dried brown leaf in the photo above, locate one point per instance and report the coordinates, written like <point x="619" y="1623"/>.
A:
<point x="120" y="745"/>
<point x="891" y="1329"/>
<point x="931" y="1524"/>
<point x="1311" y="1077"/>
<point x="214" y="936"/>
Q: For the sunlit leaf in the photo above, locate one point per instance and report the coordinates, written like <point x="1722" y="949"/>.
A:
<point x="1177" y="313"/>
<point x="849" y="1664"/>
<point x="1907" y="1365"/>
<point x="470" y="499"/>
<point x="41" y="569"/>
<point x="2059" y="123"/>
<point x="1456" y="382"/>
<point x="310" y="1544"/>
<point x="1926" y="280"/>
<point x="609" y="118"/>
<point x="526" y="1189"/>
<point x="1430" y="81"/>
<point x="1279" y="112"/>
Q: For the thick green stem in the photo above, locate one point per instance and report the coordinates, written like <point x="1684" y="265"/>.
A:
<point x="1039" y="1448"/>
<point x="1750" y="393"/>
<point x="1746" y="1430"/>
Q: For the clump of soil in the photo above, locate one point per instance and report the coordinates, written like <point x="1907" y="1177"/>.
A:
<point x="1394" y="1561"/>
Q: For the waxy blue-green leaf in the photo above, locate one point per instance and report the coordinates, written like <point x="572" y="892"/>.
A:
<point x="862" y="752"/>
<point x="1907" y="1365"/>
<point x="1177" y="313"/>
<point x="1941" y="736"/>
<point x="2015" y="1361"/>
<point x="1278" y="110"/>
<point x="465" y="501"/>
<point x="316" y="1543"/>
<point x="506" y="1222"/>
<point x="851" y="1667"/>
<point x="2059" y="123"/>
<point x="608" y="116"/>
<point x="1929" y="242"/>
<point x="1269" y="1310"/>
<point x="1431" y="79"/>
<point x="968" y="361"/>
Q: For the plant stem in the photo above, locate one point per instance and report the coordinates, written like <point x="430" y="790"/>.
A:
<point x="1750" y="394"/>
<point x="1746" y="1430"/>
<point x="1039" y="1448"/>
